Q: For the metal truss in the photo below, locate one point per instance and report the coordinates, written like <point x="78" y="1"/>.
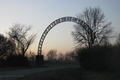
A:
<point x="60" y="20"/>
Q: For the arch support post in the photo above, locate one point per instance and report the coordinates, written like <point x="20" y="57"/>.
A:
<point x="39" y="60"/>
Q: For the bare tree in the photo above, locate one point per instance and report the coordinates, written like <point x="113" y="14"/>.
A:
<point x="6" y="47"/>
<point x="52" y="54"/>
<point x="60" y="56"/>
<point x="118" y="40"/>
<point x="32" y="55"/>
<point x="18" y="33"/>
<point x="71" y="55"/>
<point x="67" y="55"/>
<point x="101" y="30"/>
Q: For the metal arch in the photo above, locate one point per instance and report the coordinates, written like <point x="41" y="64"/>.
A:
<point x="63" y="19"/>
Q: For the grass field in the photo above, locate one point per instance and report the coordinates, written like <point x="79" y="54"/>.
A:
<point x="61" y="63"/>
<point x="49" y="63"/>
<point x="72" y="74"/>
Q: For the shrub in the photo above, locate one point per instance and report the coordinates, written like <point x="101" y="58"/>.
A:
<point x="113" y="59"/>
<point x="3" y="63"/>
<point x="100" y="58"/>
<point x="94" y="58"/>
<point x="17" y="61"/>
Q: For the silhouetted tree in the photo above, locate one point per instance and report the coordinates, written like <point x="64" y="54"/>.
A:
<point x="32" y="55"/>
<point x="73" y="55"/>
<point x="18" y="33"/>
<point x="70" y="55"/>
<point x="60" y="56"/>
<point x="118" y="40"/>
<point x="6" y="47"/>
<point x="52" y="54"/>
<point x="95" y="18"/>
<point x="67" y="56"/>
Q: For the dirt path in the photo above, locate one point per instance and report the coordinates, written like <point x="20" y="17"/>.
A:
<point x="14" y="74"/>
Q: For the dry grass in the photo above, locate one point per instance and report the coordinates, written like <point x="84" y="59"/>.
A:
<point x="72" y="74"/>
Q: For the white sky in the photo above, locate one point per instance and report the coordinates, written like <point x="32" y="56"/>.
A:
<point x="40" y="13"/>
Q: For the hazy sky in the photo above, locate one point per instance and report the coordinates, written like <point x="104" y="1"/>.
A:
<point x="40" y="13"/>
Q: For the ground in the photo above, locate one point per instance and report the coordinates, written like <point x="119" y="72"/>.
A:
<point x="73" y="74"/>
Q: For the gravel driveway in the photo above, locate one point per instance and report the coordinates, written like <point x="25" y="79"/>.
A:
<point x="14" y="74"/>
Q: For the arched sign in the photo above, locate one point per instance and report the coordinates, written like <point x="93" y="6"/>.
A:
<point x="60" y="20"/>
